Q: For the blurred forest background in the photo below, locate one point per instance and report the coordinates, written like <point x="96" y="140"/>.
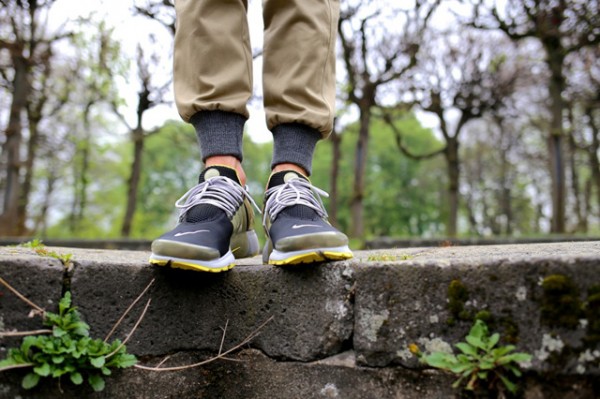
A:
<point x="455" y="118"/>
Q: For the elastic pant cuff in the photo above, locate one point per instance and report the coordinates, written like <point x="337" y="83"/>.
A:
<point x="219" y="133"/>
<point x="294" y="143"/>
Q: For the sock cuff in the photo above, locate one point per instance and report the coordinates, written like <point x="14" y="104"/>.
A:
<point x="219" y="133"/>
<point x="294" y="143"/>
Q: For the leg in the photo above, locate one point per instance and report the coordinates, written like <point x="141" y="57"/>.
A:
<point x="299" y="75"/>
<point x="299" y="86"/>
<point x="212" y="79"/>
<point x="212" y="72"/>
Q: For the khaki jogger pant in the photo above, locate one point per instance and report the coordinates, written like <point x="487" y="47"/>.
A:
<point x="213" y="60"/>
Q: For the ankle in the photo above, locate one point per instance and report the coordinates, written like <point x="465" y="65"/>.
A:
<point x="229" y="161"/>
<point x="289" y="166"/>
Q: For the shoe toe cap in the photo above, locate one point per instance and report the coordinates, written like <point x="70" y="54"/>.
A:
<point x="326" y="239"/>
<point x="184" y="250"/>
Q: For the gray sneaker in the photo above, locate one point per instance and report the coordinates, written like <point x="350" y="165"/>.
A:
<point x="296" y="223"/>
<point x="215" y="225"/>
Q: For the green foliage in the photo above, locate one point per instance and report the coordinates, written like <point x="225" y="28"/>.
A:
<point x="64" y="258"/>
<point x="480" y="361"/>
<point x="388" y="257"/>
<point x="172" y="165"/>
<point x="68" y="351"/>
<point x="104" y="209"/>
<point x="496" y="196"/>
<point x="40" y="249"/>
<point x="402" y="195"/>
<point x="33" y="244"/>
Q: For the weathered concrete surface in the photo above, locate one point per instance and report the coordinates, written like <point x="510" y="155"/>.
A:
<point x="310" y="307"/>
<point x="40" y="279"/>
<point x="255" y="376"/>
<point x="433" y="298"/>
<point x="542" y="297"/>
<point x="132" y="244"/>
<point x="394" y="242"/>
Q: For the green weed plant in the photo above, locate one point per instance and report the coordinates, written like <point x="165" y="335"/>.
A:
<point x="480" y="361"/>
<point x="68" y="351"/>
<point x="39" y="248"/>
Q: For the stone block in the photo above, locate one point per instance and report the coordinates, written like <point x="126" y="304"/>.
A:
<point x="541" y="298"/>
<point x="310" y="307"/>
<point x="38" y="278"/>
<point x="255" y="376"/>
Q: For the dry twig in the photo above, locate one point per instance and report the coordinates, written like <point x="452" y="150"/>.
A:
<point x="221" y="355"/>
<point x="16" y="366"/>
<point x="23" y="333"/>
<point x="137" y="323"/>
<point x="223" y="336"/>
<point x="128" y="310"/>
<point x="22" y="297"/>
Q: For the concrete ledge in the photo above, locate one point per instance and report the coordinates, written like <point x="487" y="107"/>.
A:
<point x="541" y="297"/>
<point x="395" y="242"/>
<point x="311" y="310"/>
<point x="38" y="278"/>
<point x="255" y="376"/>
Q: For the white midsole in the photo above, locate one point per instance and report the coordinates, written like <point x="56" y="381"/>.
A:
<point x="218" y="263"/>
<point x="278" y="255"/>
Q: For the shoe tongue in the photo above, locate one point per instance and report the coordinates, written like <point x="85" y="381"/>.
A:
<point x="208" y="212"/>
<point x="294" y="211"/>
<point x="284" y="176"/>
<point x="218" y="170"/>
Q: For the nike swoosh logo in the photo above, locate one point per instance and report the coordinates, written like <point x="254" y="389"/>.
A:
<point x="191" y="232"/>
<point x="299" y="226"/>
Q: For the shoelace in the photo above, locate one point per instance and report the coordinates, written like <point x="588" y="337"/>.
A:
<point x="219" y="191"/>
<point x="294" y="192"/>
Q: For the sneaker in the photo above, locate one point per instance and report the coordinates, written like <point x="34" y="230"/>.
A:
<point x="215" y="225"/>
<point x="296" y="224"/>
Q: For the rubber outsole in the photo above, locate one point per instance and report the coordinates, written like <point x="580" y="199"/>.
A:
<point x="278" y="258"/>
<point x="222" y="264"/>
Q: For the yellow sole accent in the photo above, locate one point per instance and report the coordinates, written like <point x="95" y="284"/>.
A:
<point x="312" y="257"/>
<point x="191" y="266"/>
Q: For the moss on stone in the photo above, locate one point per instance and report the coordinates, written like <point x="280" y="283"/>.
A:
<point x="511" y="330"/>
<point x="560" y="305"/>
<point x="592" y="314"/>
<point x="484" y="315"/>
<point x="458" y="295"/>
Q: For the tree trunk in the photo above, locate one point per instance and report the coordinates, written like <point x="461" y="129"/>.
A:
<point x="555" y="139"/>
<point x="32" y="146"/>
<point x="336" y="142"/>
<point x="40" y="219"/>
<point x="80" y="177"/>
<point x="505" y="187"/>
<point x="587" y="205"/>
<point x="360" y="166"/>
<point x="11" y="149"/>
<point x="81" y="183"/>
<point x="134" y="181"/>
<point x="575" y="182"/>
<point x="593" y="154"/>
<point x="473" y="225"/>
<point x="452" y="161"/>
